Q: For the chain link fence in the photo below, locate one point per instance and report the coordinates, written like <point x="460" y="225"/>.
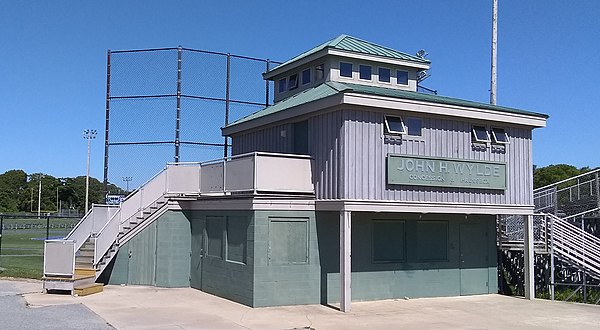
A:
<point x="22" y="242"/>
<point x="168" y="104"/>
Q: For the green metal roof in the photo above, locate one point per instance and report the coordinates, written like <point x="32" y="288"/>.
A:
<point x="312" y="94"/>
<point x="331" y="88"/>
<point x="381" y="91"/>
<point x="353" y="44"/>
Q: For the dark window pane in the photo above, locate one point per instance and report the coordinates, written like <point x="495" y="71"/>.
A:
<point x="414" y="126"/>
<point x="301" y="138"/>
<point x="481" y="134"/>
<point x="388" y="241"/>
<point x="365" y="72"/>
<point x="305" y="76"/>
<point x="346" y="69"/>
<point x="319" y="71"/>
<point x="293" y="82"/>
<point x="402" y="77"/>
<point x="384" y="75"/>
<point x="394" y="125"/>
<point x="500" y="135"/>
<point x="282" y="85"/>
<point x="214" y="233"/>
<point x="237" y="228"/>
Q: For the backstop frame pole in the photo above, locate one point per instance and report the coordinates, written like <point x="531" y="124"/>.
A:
<point x="227" y="90"/>
<point x="107" y="119"/>
<point x="178" y="114"/>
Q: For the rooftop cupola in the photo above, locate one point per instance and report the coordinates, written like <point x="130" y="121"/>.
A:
<point x="347" y="59"/>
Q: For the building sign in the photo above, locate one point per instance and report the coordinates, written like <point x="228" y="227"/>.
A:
<point x="445" y="172"/>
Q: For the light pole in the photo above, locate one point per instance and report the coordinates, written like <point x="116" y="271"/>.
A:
<point x="127" y="179"/>
<point x="89" y="135"/>
<point x="40" y="195"/>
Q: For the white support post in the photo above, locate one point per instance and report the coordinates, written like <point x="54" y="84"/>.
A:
<point x="528" y="257"/>
<point x="345" y="260"/>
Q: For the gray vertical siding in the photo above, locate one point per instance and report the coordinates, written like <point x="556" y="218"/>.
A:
<point x="349" y="149"/>
<point x="324" y="142"/>
<point x="366" y="149"/>
<point x="269" y="139"/>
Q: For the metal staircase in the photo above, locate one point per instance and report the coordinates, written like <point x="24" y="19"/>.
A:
<point x="96" y="239"/>
<point x="572" y="244"/>
<point x="566" y="228"/>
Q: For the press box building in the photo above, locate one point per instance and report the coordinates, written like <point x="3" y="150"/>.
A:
<point x="352" y="186"/>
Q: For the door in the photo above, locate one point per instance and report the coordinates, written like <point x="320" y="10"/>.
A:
<point x="142" y="257"/>
<point x="473" y="259"/>
<point x="197" y="254"/>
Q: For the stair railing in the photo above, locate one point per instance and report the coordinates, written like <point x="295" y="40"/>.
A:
<point x="575" y="244"/>
<point x="93" y="220"/>
<point x="183" y="178"/>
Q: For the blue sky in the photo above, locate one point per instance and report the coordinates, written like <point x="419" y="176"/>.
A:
<point x="53" y="67"/>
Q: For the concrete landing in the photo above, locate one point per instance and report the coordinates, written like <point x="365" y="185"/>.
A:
<point x="139" y="307"/>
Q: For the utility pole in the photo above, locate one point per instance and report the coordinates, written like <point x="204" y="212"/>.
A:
<point x="127" y="179"/>
<point x="493" y="87"/>
<point x="89" y="135"/>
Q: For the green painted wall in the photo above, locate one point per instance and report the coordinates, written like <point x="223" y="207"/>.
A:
<point x="286" y="273"/>
<point x="413" y="277"/>
<point x="217" y="274"/>
<point x="159" y="255"/>
<point x="292" y="257"/>
<point x="173" y="250"/>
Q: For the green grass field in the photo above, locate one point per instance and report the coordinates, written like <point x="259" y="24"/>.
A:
<point x="22" y="249"/>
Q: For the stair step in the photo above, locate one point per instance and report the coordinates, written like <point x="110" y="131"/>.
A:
<point x="88" y="289"/>
<point x="85" y="271"/>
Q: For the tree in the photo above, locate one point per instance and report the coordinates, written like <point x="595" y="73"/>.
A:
<point x="12" y="187"/>
<point x="543" y="176"/>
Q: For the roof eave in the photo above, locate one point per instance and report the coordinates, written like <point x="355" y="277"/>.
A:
<point x="269" y="75"/>
<point x="377" y="58"/>
<point x="291" y="112"/>
<point x="460" y="111"/>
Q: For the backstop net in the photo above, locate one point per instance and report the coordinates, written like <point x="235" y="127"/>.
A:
<point x="168" y="105"/>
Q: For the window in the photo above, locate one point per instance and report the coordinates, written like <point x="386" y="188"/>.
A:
<point x="282" y="85"/>
<point x="320" y="71"/>
<point x="214" y="234"/>
<point x="414" y="126"/>
<point x="432" y="240"/>
<point x="388" y="241"/>
<point x="293" y="82"/>
<point x="394" y="125"/>
<point x="305" y="76"/>
<point x="345" y="69"/>
<point x="500" y="136"/>
<point x="301" y="137"/>
<point x="480" y="134"/>
<point x="288" y="241"/>
<point x="402" y="77"/>
<point x="237" y="228"/>
<point x="384" y="75"/>
<point x="364" y="72"/>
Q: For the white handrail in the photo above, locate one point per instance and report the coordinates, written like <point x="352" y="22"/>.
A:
<point x="566" y="180"/>
<point x="575" y="244"/>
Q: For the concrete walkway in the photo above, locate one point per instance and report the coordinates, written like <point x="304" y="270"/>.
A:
<point x="138" y="307"/>
<point x="16" y="314"/>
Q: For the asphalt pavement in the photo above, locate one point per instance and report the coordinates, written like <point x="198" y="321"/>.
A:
<point x="15" y="313"/>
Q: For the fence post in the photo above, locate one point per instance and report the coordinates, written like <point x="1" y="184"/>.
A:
<point x="107" y="122"/>
<point x="227" y="83"/>
<point x="178" y="120"/>
<point x="47" y="227"/>
<point x="267" y="84"/>
<point x="597" y="190"/>
<point x="1" y="228"/>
